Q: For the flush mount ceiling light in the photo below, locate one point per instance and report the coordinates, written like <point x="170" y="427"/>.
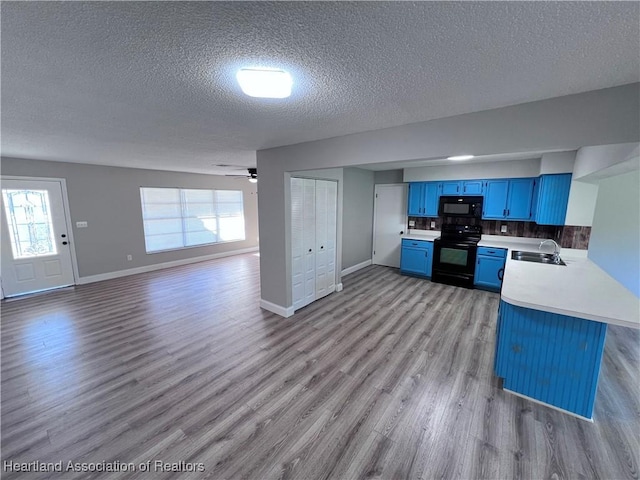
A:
<point x="460" y="157"/>
<point x="264" y="82"/>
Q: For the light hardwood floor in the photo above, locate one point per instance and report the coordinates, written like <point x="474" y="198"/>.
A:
<point x="390" y="378"/>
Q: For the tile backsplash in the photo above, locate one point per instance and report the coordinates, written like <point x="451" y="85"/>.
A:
<point x="569" y="236"/>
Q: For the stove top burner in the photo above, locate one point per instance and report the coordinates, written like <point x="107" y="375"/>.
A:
<point x="461" y="233"/>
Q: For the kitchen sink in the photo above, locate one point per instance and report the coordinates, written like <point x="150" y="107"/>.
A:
<point x="536" y="257"/>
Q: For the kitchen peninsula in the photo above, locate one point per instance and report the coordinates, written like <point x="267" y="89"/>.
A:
<point x="552" y="324"/>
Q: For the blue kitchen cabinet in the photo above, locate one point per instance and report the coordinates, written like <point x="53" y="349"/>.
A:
<point x="508" y="199"/>
<point x="551" y="199"/>
<point x="462" y="187"/>
<point x="495" y="199"/>
<point x="431" y="197"/>
<point x="472" y="187"/>
<point x="416" y="199"/>
<point x="451" y="188"/>
<point x="489" y="268"/>
<point x="416" y="257"/>
<point x="520" y="198"/>
<point x="423" y="199"/>
<point x="552" y="358"/>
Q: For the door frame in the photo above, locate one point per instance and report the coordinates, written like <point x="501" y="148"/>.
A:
<point x="67" y="218"/>
<point x="375" y="208"/>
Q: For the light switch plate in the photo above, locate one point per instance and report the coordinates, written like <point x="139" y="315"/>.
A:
<point x="81" y="225"/>
<point x="433" y="224"/>
<point x="412" y="223"/>
<point x="503" y="229"/>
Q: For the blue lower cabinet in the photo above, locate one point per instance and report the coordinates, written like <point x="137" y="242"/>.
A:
<point x="552" y="358"/>
<point x="416" y="257"/>
<point x="490" y="268"/>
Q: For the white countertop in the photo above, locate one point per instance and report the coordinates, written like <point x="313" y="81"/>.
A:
<point x="579" y="289"/>
<point x="429" y="235"/>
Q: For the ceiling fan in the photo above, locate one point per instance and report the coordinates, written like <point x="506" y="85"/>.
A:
<point x="252" y="173"/>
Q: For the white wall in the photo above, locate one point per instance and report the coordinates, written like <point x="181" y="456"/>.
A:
<point x="582" y="203"/>
<point x="470" y="171"/>
<point x="557" y="162"/>
<point x="357" y="227"/>
<point x="605" y="160"/>
<point x="108" y="198"/>
<point x="599" y="117"/>
<point x="388" y="176"/>
<point x="615" y="236"/>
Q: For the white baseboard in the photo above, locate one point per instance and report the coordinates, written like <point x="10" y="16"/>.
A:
<point x="159" y="266"/>
<point x="355" y="268"/>
<point x="285" y="312"/>
<point x="548" y="405"/>
<point x="339" y="287"/>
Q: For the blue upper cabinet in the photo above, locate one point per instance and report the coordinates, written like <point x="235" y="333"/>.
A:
<point x="508" y="199"/>
<point x="451" y="188"/>
<point x="431" y="197"/>
<point x="416" y="199"/>
<point x="472" y="187"/>
<point x="520" y="198"/>
<point x="550" y="207"/>
<point x="495" y="199"/>
<point x="423" y="199"/>
<point x="462" y="187"/>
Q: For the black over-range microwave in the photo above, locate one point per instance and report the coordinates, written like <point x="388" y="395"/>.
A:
<point x="459" y="206"/>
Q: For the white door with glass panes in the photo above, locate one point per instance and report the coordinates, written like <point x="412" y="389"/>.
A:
<point x="36" y="252"/>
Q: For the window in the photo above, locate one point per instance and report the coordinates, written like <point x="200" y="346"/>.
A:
<point x="179" y="217"/>
<point x="30" y="225"/>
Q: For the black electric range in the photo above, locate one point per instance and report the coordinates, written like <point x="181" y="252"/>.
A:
<point x="454" y="254"/>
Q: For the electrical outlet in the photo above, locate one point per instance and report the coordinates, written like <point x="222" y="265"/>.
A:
<point x="503" y="229"/>
<point x="412" y="223"/>
<point x="433" y="224"/>
<point x="81" y="224"/>
<point x="129" y="258"/>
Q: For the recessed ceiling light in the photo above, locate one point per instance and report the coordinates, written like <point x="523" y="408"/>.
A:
<point x="265" y="82"/>
<point x="460" y="157"/>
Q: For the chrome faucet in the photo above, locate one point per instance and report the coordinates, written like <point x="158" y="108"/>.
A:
<point x="556" y="249"/>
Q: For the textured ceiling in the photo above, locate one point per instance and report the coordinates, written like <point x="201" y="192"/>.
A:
<point x="151" y="84"/>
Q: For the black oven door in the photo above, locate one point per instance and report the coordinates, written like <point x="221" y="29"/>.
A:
<point x="454" y="263"/>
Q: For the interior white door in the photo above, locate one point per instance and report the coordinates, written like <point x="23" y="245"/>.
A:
<point x="390" y="221"/>
<point x="330" y="245"/>
<point x="321" y="238"/>
<point x="36" y="254"/>
<point x="297" y="242"/>
<point x="309" y="236"/>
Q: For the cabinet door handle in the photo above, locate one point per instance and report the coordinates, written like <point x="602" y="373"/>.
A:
<point x="508" y="212"/>
<point x="401" y="232"/>
<point x="322" y="247"/>
<point x="504" y="212"/>
<point x="309" y="250"/>
<point x="65" y="243"/>
<point x="465" y="189"/>
<point x="501" y="274"/>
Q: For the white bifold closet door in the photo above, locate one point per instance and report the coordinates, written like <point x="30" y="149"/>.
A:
<point x="313" y="239"/>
